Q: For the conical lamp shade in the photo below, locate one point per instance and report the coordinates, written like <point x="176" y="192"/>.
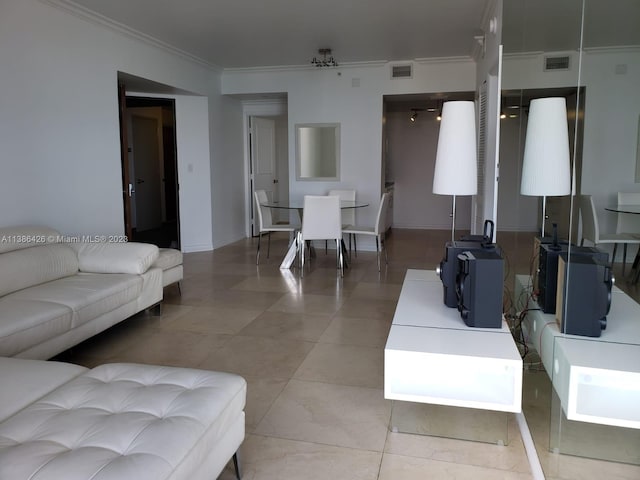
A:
<point x="456" y="171"/>
<point x="546" y="166"/>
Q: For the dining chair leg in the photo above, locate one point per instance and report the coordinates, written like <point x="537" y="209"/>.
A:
<point x="339" y="256"/>
<point x="258" y="251"/>
<point x="383" y="241"/>
<point x="378" y="252"/>
<point x="624" y="258"/>
<point x="301" y="245"/>
<point x="268" y="244"/>
<point x="613" y="257"/>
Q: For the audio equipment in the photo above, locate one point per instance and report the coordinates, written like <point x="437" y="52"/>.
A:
<point x="584" y="294"/>
<point x="448" y="268"/>
<point x="479" y="284"/>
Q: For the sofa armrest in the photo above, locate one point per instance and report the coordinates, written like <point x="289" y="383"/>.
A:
<point x="103" y="257"/>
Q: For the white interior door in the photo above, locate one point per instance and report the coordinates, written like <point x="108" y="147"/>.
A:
<point x="263" y="140"/>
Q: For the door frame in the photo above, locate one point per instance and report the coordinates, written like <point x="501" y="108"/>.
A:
<point x="127" y="186"/>
<point x="258" y="108"/>
<point x="125" y="151"/>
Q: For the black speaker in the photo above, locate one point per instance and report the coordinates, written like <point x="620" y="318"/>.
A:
<point x="479" y="288"/>
<point x="448" y="268"/>
<point x="548" y="275"/>
<point x="548" y="270"/>
<point x="585" y="299"/>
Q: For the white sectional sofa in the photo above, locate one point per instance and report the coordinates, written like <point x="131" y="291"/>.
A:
<point x="56" y="291"/>
<point x="117" y="421"/>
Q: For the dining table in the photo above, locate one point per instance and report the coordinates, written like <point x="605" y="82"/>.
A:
<point x="629" y="210"/>
<point x="299" y="206"/>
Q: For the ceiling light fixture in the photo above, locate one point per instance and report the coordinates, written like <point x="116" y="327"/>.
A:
<point x="414" y="113"/>
<point x="327" y="59"/>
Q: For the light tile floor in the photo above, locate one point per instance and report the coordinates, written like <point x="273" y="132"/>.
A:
<point x="311" y="350"/>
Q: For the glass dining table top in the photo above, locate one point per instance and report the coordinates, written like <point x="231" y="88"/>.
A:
<point x="299" y="204"/>
<point x="635" y="209"/>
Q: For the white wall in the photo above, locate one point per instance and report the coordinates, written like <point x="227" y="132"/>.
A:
<point x="228" y="176"/>
<point x="610" y="127"/>
<point x="351" y="96"/>
<point x="59" y="133"/>
<point x="411" y="162"/>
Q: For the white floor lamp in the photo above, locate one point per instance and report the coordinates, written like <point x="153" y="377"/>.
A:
<point x="546" y="166"/>
<point x="456" y="171"/>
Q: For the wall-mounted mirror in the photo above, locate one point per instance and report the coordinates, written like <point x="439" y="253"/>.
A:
<point x="318" y="151"/>
<point x="587" y="51"/>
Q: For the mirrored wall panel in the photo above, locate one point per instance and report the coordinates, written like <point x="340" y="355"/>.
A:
<point x="580" y="344"/>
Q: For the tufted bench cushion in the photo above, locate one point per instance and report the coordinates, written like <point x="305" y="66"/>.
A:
<point x="127" y="421"/>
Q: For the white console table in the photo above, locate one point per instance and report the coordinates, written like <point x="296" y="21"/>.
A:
<point x="432" y="356"/>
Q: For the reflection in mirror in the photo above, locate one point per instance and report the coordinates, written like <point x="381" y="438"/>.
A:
<point x="597" y="68"/>
<point x="318" y="151"/>
<point x="638" y="154"/>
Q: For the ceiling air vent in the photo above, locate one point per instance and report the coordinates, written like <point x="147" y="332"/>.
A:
<point x="556" y="63"/>
<point x="401" y="71"/>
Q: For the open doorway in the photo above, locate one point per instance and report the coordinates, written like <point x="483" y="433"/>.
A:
<point x="411" y="127"/>
<point x="152" y="171"/>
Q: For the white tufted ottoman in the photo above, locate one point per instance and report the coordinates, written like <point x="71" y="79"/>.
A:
<point x="117" y="421"/>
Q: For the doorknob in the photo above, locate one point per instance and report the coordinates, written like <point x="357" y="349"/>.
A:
<point x="131" y="189"/>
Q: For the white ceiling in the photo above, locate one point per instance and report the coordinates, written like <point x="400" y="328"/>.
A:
<point x="250" y="33"/>
<point x="254" y="33"/>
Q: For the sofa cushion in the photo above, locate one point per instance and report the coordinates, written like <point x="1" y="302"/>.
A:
<point x="168" y="258"/>
<point x="35" y="265"/>
<point x="26" y="236"/>
<point x="24" y="323"/>
<point x="107" y="257"/>
<point x="87" y="295"/>
<point x="25" y="381"/>
<point x="119" y="421"/>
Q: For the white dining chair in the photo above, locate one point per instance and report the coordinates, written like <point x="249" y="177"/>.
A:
<point x="377" y="230"/>
<point x="265" y="222"/>
<point x="321" y="221"/>
<point x="591" y="230"/>
<point x="348" y="215"/>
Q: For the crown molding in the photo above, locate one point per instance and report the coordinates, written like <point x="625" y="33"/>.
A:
<point x="614" y="49"/>
<point x="92" y="17"/>
<point x="437" y="60"/>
